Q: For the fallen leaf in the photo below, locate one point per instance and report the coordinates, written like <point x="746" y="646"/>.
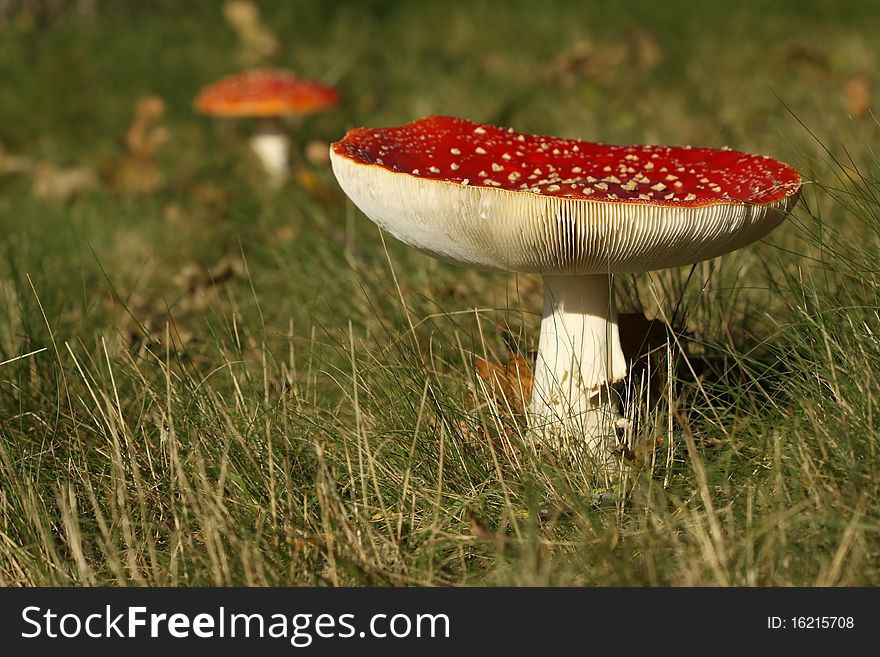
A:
<point x="483" y="533"/>
<point x="145" y="134"/>
<point x="857" y="92"/>
<point x="136" y="172"/>
<point x="642" y="450"/>
<point x="194" y="278"/>
<point x="806" y="59"/>
<point x="143" y="320"/>
<point x="134" y="178"/>
<point x="62" y="183"/>
<point x="586" y="61"/>
<point x="648" y="50"/>
<point x="14" y="163"/>
<point x="285" y="234"/>
<point x="315" y="188"/>
<point x="513" y="381"/>
<point x="317" y="153"/>
<point x="256" y="41"/>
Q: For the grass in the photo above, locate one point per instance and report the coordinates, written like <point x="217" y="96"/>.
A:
<point x="216" y="384"/>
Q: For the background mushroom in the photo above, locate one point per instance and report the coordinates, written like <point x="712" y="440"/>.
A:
<point x="267" y="95"/>
<point x="575" y="212"/>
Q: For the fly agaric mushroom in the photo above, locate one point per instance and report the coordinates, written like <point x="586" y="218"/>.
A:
<point x="575" y="212"/>
<point x="267" y="95"/>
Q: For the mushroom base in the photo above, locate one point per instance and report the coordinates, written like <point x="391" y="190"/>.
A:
<point x="579" y="357"/>
<point x="272" y="146"/>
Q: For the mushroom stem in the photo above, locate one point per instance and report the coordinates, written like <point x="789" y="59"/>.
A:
<point x="579" y="357"/>
<point x="272" y="146"/>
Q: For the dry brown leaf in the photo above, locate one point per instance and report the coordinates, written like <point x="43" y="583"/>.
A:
<point x="806" y="60"/>
<point x="137" y="173"/>
<point x="483" y="533"/>
<point x="134" y="178"/>
<point x="577" y="61"/>
<point x="145" y="134"/>
<point x="648" y="50"/>
<point x="52" y="183"/>
<point x="257" y="43"/>
<point x="210" y="196"/>
<point x="857" y="93"/>
<point x="315" y="188"/>
<point x="519" y="379"/>
<point x="513" y="381"/>
<point x="144" y="318"/>
<point x="14" y="163"/>
<point x="285" y="233"/>
<point x="642" y="450"/>
<point x="194" y="278"/>
<point x="583" y="60"/>
<point x="317" y="153"/>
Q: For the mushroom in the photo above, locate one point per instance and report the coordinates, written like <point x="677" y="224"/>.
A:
<point x="267" y="95"/>
<point x="573" y="211"/>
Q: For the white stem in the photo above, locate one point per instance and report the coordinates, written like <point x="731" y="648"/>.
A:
<point x="579" y="356"/>
<point x="272" y="146"/>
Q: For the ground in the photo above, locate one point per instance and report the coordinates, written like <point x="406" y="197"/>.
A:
<point x="204" y="380"/>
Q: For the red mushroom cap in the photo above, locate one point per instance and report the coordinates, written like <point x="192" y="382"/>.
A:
<point x="488" y="196"/>
<point x="460" y="151"/>
<point x="265" y="92"/>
